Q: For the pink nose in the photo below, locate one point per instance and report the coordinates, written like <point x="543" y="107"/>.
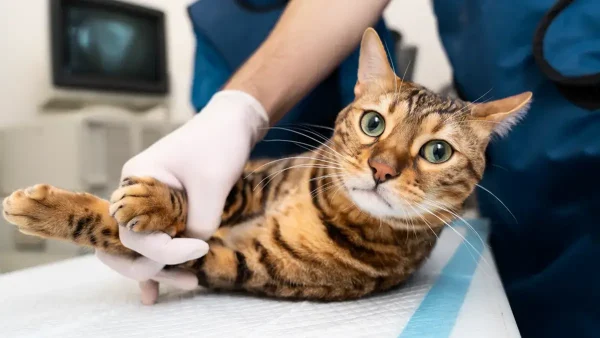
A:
<point x="381" y="171"/>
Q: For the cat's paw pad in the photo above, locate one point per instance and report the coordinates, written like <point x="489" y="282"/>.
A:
<point x="144" y="204"/>
<point x="38" y="192"/>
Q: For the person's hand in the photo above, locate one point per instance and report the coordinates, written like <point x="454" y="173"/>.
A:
<point x="206" y="156"/>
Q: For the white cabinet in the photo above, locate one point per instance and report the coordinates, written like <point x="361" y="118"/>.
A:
<point x="71" y="151"/>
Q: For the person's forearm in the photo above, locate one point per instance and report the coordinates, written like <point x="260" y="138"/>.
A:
<point x="311" y="38"/>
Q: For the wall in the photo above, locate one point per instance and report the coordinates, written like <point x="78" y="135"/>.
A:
<point x="20" y="58"/>
<point x="23" y="62"/>
<point x="181" y="45"/>
<point x="416" y="20"/>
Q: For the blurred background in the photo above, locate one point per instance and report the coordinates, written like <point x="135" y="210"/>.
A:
<point x="88" y="84"/>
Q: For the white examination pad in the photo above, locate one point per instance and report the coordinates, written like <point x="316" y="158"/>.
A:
<point x="457" y="293"/>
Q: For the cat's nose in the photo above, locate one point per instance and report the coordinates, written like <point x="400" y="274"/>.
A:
<point x="381" y="171"/>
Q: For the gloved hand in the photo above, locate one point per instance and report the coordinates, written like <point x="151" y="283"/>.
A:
<point x="206" y="156"/>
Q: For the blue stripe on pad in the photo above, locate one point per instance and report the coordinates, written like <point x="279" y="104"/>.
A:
<point x="436" y="315"/>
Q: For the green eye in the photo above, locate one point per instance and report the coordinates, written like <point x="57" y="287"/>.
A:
<point x="372" y="124"/>
<point x="436" y="151"/>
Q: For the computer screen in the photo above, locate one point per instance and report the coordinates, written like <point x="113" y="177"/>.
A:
<point x="108" y="45"/>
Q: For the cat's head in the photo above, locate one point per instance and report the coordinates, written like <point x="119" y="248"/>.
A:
<point x="408" y="151"/>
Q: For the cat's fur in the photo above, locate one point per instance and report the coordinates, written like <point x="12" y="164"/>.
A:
<point x="310" y="227"/>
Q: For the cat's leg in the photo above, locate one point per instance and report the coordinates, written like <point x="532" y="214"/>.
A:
<point x="49" y="212"/>
<point x="140" y="204"/>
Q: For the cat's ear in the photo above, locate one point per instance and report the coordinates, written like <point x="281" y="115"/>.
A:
<point x="499" y="116"/>
<point x="373" y="64"/>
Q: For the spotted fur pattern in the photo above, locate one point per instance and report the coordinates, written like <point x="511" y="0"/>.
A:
<point x="317" y="225"/>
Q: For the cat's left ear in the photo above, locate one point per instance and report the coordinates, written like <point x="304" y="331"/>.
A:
<point x="499" y="116"/>
<point x="374" y="69"/>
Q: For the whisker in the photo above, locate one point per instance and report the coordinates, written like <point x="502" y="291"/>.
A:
<point x="312" y="138"/>
<point x="422" y="218"/>
<point x="312" y="132"/>
<point x="477" y="121"/>
<point x="309" y="147"/>
<point x="341" y="186"/>
<point x="498" y="166"/>
<point x="327" y="176"/>
<point x="289" y="158"/>
<point x="322" y="188"/>
<point x="380" y="225"/>
<point x="356" y="207"/>
<point x="272" y="176"/>
<point x="458" y="233"/>
<point x="333" y="184"/>
<point x="499" y="200"/>
<point x="436" y="205"/>
<point x="306" y="146"/>
<point x="412" y="225"/>
<point x="485" y="261"/>
<point x="348" y="206"/>
<point x="404" y="75"/>
<point x="316" y="126"/>
<point x="474" y="101"/>
<point x="406" y="70"/>
<point x="325" y="139"/>
<point x="393" y="67"/>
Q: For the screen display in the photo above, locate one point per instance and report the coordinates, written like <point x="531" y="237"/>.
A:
<point x="107" y="43"/>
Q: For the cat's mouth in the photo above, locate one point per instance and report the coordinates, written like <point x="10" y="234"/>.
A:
<point x="378" y="200"/>
<point x="373" y="192"/>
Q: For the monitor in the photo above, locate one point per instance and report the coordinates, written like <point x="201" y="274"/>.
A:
<point x="109" y="50"/>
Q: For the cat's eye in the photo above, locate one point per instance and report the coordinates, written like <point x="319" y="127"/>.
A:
<point x="372" y="124"/>
<point x="436" y="151"/>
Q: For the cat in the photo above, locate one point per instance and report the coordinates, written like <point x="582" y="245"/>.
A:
<point x="355" y="216"/>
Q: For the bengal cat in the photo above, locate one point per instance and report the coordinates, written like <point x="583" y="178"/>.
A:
<point x="355" y="216"/>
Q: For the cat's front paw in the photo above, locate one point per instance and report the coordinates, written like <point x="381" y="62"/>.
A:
<point x="45" y="211"/>
<point x="25" y="209"/>
<point x="143" y="204"/>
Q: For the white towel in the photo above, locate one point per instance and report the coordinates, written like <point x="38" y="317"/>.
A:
<point x="456" y="294"/>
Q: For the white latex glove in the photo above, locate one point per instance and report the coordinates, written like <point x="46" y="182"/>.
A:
<point x="206" y="156"/>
